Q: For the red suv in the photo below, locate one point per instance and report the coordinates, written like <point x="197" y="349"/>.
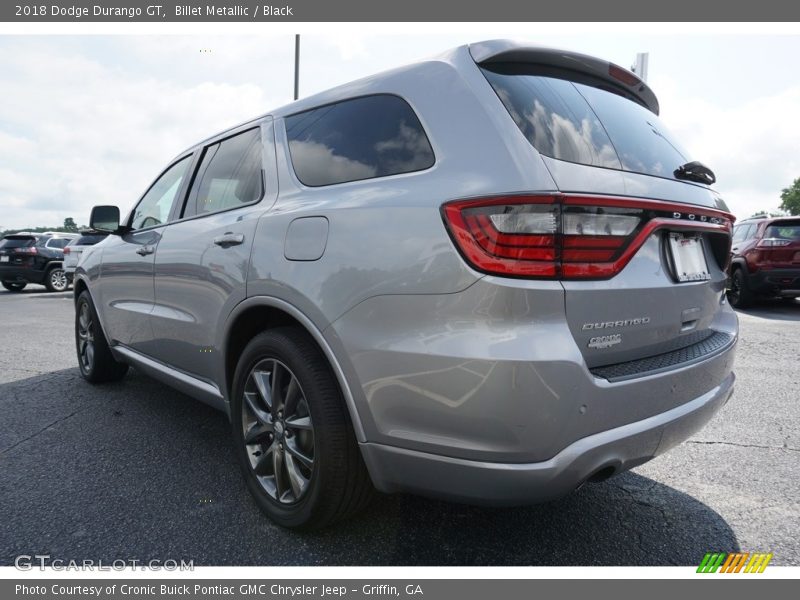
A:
<point x="765" y="260"/>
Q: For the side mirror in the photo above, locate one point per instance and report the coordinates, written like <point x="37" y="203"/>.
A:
<point x="104" y="218"/>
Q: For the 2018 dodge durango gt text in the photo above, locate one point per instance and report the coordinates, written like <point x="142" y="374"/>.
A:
<point x="489" y="276"/>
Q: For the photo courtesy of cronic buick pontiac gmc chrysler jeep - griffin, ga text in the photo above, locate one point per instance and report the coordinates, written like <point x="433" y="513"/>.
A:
<point x="490" y="277"/>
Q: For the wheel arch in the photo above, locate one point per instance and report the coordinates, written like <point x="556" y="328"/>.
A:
<point x="259" y="313"/>
<point x="739" y="263"/>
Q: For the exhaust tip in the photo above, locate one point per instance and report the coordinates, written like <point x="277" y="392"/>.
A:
<point x="602" y="474"/>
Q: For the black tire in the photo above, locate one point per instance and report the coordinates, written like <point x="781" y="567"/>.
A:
<point x="337" y="485"/>
<point x="55" y="280"/>
<point x="14" y="286"/>
<point x="739" y="294"/>
<point x="96" y="363"/>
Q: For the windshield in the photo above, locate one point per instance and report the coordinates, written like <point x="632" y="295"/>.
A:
<point x="584" y="124"/>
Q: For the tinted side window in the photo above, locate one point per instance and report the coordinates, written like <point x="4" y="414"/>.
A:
<point x="88" y="240"/>
<point x="740" y="233"/>
<point x="229" y="175"/>
<point x="155" y="207"/>
<point x="373" y="136"/>
<point x="57" y="242"/>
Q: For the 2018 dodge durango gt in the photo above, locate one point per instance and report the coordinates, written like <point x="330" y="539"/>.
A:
<point x="489" y="276"/>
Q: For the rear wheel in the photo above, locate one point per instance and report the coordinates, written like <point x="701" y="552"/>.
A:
<point x="14" y="286"/>
<point x="95" y="360"/>
<point x="293" y="436"/>
<point x="739" y="294"/>
<point x="56" y="280"/>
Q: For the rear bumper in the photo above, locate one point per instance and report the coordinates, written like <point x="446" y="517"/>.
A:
<point x="775" y="282"/>
<point x="602" y="454"/>
<point x="21" y="274"/>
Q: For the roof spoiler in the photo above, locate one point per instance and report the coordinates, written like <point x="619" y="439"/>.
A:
<point x="507" y="51"/>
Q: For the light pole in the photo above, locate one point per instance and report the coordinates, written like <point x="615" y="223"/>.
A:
<point x="296" y="66"/>
<point x="640" y="66"/>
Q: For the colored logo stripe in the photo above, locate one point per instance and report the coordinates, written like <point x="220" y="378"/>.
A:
<point x="734" y="562"/>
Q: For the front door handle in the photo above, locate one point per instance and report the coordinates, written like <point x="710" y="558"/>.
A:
<point x="145" y="250"/>
<point x="229" y="239"/>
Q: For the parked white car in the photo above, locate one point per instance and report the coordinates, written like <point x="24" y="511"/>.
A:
<point x="73" y="250"/>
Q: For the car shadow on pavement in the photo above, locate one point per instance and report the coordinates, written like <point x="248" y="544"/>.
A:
<point x="33" y="289"/>
<point x="134" y="470"/>
<point x="774" y="309"/>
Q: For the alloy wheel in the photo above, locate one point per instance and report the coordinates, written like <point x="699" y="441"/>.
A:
<point x="85" y="338"/>
<point x="734" y="290"/>
<point x="58" y="279"/>
<point x="278" y="431"/>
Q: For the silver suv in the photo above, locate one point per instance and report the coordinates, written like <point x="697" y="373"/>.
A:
<point x="490" y="276"/>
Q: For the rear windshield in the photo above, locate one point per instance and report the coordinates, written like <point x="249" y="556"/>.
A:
<point x="17" y="242"/>
<point x="584" y="124"/>
<point x="787" y="230"/>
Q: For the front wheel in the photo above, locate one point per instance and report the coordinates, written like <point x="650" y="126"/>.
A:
<point x="14" y="286"/>
<point x="95" y="360"/>
<point x="56" y="280"/>
<point x="292" y="432"/>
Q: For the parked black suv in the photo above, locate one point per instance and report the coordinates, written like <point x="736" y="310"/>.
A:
<point x="765" y="260"/>
<point x="34" y="258"/>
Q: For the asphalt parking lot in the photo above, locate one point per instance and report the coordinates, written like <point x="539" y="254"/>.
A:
<point x="134" y="470"/>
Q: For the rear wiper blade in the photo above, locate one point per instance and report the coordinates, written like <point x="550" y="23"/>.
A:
<point x="695" y="171"/>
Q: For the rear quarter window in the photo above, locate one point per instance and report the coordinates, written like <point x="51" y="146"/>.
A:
<point x="352" y="140"/>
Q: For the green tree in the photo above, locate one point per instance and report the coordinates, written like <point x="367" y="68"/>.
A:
<point x="790" y="198"/>
<point x="69" y="224"/>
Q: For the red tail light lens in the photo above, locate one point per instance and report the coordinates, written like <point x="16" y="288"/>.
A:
<point x="508" y="236"/>
<point x="67" y="250"/>
<point x="567" y="237"/>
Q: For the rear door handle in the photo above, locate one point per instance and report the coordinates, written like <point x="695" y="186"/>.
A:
<point x="229" y="239"/>
<point x="145" y="250"/>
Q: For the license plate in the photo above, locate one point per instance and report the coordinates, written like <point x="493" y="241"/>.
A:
<point x="3" y="259"/>
<point x="688" y="258"/>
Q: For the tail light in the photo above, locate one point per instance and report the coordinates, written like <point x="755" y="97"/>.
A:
<point x="773" y="243"/>
<point x="31" y="250"/>
<point x="569" y="237"/>
<point x="67" y="250"/>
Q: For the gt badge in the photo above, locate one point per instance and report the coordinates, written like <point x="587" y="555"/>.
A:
<point x="605" y="341"/>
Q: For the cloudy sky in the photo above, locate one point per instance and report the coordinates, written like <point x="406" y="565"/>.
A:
<point x="88" y="120"/>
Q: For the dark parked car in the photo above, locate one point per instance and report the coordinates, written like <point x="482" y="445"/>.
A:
<point x="34" y="258"/>
<point x="765" y="260"/>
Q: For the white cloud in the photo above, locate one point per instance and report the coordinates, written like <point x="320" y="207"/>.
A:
<point x="78" y="130"/>
<point x="318" y="164"/>
<point x="92" y="119"/>
<point x="752" y="146"/>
